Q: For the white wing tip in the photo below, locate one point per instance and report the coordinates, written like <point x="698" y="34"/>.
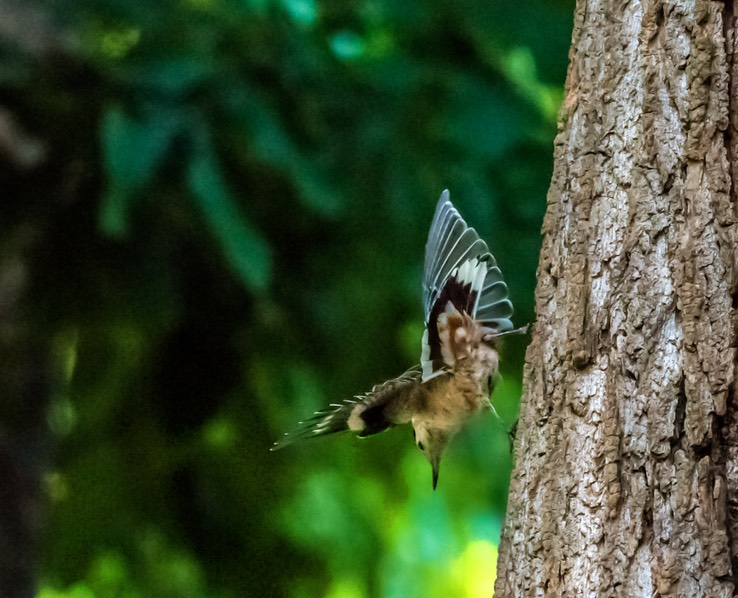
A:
<point x="472" y="271"/>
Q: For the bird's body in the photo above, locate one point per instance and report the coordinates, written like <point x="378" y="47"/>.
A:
<point x="466" y="308"/>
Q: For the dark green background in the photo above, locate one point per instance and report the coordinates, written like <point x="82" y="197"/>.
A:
<point x="234" y="212"/>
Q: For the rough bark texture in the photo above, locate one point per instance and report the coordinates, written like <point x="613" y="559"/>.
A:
<point x="626" y="475"/>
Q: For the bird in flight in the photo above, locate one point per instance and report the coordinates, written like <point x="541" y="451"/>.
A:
<point x="466" y="309"/>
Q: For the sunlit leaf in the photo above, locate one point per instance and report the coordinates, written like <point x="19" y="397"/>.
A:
<point x="347" y="45"/>
<point x="116" y="44"/>
<point x="519" y="65"/>
<point x="304" y="12"/>
<point x="474" y="572"/>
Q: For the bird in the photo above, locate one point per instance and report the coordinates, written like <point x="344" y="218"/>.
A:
<point x="467" y="308"/>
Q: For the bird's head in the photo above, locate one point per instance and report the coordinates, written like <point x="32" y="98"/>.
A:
<point x="432" y="441"/>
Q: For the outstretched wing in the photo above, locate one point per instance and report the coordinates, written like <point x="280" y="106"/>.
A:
<point x="459" y="269"/>
<point x="365" y="414"/>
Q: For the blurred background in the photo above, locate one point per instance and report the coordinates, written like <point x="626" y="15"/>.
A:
<point x="212" y="222"/>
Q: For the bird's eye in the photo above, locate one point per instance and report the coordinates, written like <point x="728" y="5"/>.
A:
<point x="420" y="446"/>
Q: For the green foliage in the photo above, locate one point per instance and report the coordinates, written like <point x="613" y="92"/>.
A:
<point x="246" y="249"/>
<point x="233" y="231"/>
<point x="133" y="151"/>
<point x="159" y="570"/>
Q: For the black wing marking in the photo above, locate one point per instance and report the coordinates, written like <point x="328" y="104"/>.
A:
<point x="459" y="269"/>
<point x="365" y="414"/>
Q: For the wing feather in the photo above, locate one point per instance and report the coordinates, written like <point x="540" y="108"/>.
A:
<point x="365" y="414"/>
<point x="459" y="269"/>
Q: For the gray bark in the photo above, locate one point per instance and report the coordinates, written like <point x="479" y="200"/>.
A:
<point x="626" y="473"/>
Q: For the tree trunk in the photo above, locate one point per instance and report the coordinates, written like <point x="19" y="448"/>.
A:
<point x="626" y="474"/>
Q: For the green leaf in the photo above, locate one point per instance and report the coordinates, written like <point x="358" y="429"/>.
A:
<point x="262" y="127"/>
<point x="133" y="149"/>
<point x="519" y="66"/>
<point x="170" y="76"/>
<point x="302" y="12"/>
<point x="268" y="138"/>
<point x="316" y="190"/>
<point x="245" y="248"/>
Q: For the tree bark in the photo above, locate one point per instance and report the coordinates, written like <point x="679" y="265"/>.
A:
<point x="626" y="474"/>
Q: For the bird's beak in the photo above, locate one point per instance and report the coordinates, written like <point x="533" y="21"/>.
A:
<point x="435" y="465"/>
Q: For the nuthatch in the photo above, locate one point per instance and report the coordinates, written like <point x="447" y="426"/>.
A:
<point x="466" y="309"/>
